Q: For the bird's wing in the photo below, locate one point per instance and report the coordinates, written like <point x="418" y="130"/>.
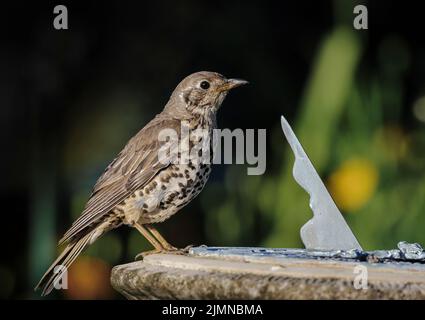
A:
<point x="131" y="170"/>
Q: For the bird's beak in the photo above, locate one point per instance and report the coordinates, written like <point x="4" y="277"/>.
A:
<point x="232" y="83"/>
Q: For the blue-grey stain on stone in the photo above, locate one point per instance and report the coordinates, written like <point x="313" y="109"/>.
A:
<point x="411" y="251"/>
<point x="406" y="252"/>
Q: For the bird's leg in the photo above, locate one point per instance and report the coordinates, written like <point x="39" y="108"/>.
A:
<point x="164" y="242"/>
<point x="158" y="247"/>
<point x="158" y="242"/>
<point x="160" y="239"/>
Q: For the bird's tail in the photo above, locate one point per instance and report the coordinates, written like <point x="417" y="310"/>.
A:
<point x="65" y="259"/>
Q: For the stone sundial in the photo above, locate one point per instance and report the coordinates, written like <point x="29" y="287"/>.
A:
<point x="329" y="267"/>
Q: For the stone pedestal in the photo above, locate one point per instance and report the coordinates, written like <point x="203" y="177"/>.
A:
<point x="255" y="273"/>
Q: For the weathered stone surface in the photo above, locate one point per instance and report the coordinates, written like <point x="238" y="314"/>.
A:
<point x="236" y="276"/>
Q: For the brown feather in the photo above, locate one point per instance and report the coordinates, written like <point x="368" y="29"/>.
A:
<point x="65" y="259"/>
<point x="123" y="176"/>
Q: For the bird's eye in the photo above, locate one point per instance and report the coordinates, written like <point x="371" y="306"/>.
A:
<point x="205" y="85"/>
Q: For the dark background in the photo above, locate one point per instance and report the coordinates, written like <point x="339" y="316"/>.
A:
<point x="70" y="99"/>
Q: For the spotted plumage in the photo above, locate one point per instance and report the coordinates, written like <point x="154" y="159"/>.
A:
<point x="137" y="189"/>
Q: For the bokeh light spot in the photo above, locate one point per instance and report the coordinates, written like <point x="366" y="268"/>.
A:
<point x="419" y="109"/>
<point x="353" y="184"/>
<point x="88" y="278"/>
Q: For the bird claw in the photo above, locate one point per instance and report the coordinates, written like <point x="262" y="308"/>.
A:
<point x="168" y="250"/>
<point x="187" y="248"/>
<point x="143" y="254"/>
<point x="173" y="250"/>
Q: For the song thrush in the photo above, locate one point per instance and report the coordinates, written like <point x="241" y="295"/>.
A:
<point x="137" y="189"/>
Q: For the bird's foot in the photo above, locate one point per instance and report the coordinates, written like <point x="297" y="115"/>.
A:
<point x="143" y="254"/>
<point x="173" y="250"/>
<point x="187" y="248"/>
<point x="167" y="250"/>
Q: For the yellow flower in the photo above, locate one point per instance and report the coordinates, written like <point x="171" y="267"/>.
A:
<point x="353" y="184"/>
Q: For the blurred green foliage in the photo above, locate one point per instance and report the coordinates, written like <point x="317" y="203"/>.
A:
<point x="342" y="117"/>
<point x="91" y="89"/>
